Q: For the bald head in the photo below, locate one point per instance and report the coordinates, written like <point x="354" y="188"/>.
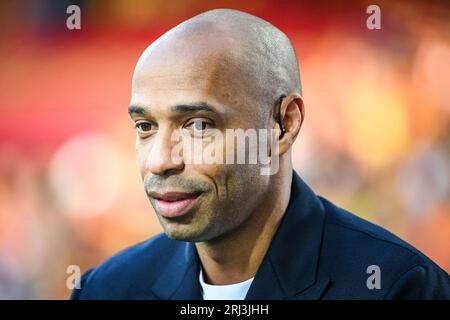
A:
<point x="220" y="71"/>
<point x="244" y="59"/>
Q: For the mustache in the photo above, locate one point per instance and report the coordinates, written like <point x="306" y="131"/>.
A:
<point x="157" y="183"/>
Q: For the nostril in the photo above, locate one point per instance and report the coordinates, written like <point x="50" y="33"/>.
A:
<point x="172" y="171"/>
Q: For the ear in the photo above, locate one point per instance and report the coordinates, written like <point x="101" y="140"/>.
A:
<point x="292" y="114"/>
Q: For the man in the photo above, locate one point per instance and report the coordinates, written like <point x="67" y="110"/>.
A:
<point x="232" y="232"/>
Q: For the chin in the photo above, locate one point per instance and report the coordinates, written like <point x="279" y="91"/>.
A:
<point x="188" y="233"/>
<point x="183" y="234"/>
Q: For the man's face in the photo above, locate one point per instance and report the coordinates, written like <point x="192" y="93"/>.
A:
<point x="196" y="91"/>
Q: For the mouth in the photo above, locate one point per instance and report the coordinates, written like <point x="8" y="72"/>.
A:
<point x="174" y="204"/>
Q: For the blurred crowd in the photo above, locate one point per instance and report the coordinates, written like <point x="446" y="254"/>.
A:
<point x="376" y="138"/>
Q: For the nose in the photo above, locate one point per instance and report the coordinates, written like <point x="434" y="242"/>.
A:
<point x="160" y="160"/>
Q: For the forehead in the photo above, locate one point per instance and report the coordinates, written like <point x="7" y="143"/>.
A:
<point x="181" y="73"/>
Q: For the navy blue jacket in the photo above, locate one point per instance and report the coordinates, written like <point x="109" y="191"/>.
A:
<point x="319" y="251"/>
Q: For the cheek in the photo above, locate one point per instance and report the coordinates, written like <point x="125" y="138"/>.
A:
<point x="217" y="176"/>
<point x="142" y="152"/>
<point x="246" y="181"/>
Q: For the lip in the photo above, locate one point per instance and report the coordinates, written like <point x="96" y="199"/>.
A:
<point x="174" y="204"/>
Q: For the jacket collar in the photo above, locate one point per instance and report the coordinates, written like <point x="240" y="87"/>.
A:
<point x="179" y="281"/>
<point x="289" y="269"/>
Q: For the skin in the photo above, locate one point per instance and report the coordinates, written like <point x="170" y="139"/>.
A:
<point x="240" y="65"/>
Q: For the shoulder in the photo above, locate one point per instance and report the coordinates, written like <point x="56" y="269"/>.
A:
<point x="127" y="269"/>
<point x="353" y="248"/>
<point x="360" y="235"/>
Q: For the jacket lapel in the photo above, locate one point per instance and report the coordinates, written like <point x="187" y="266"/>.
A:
<point x="289" y="269"/>
<point x="179" y="281"/>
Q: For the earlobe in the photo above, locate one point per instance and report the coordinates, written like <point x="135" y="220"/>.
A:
<point x="285" y="143"/>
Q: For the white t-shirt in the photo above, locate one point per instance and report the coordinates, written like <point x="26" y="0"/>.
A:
<point x="236" y="291"/>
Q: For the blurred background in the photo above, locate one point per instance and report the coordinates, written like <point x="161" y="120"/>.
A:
<point x="376" y="139"/>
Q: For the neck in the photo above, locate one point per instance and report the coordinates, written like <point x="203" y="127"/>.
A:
<point x="237" y="255"/>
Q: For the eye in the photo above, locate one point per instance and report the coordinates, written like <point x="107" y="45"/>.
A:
<point x="144" y="127"/>
<point x="199" y="127"/>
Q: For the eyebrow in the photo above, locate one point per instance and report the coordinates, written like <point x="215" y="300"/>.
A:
<point x="194" y="107"/>
<point x="137" y="109"/>
<point x="179" y="108"/>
